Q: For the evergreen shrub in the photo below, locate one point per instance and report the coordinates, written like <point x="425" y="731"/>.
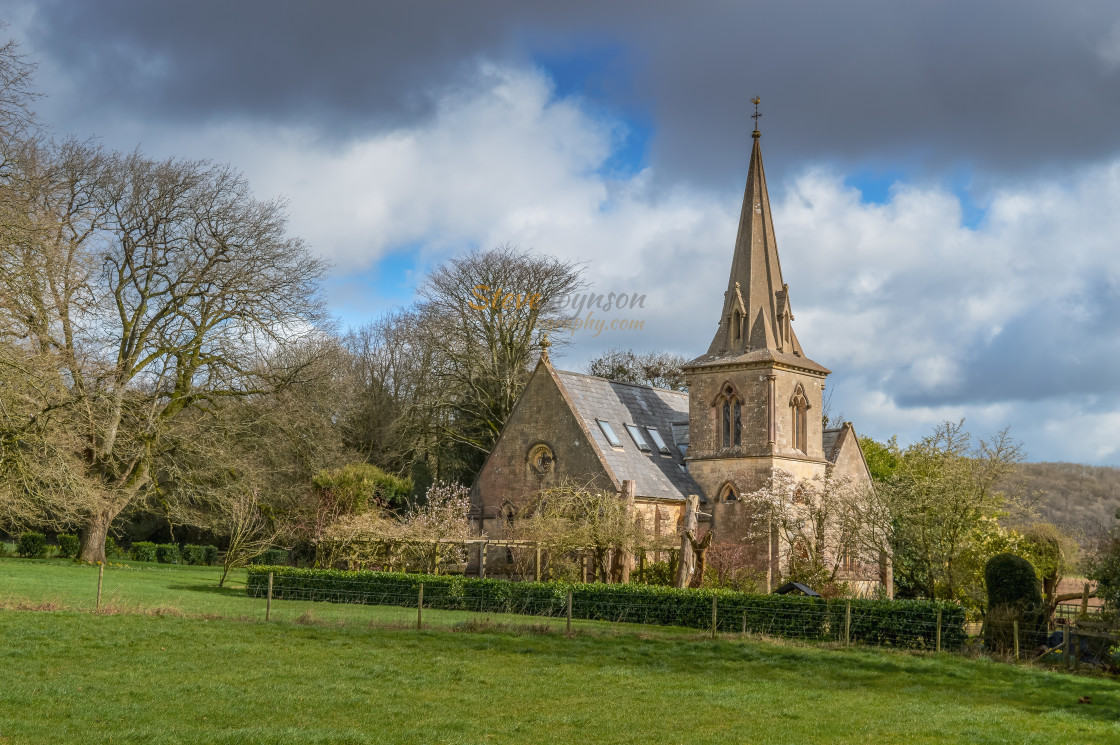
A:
<point x="142" y="551"/>
<point x="32" y="545"/>
<point x="68" y="546"/>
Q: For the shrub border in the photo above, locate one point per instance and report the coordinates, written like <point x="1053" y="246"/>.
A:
<point x="909" y="624"/>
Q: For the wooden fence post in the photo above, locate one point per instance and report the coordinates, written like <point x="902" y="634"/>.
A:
<point x="848" y="624"/>
<point x="713" y="616"/>
<point x="482" y="560"/>
<point x="744" y="623"/>
<point x="1015" y="630"/>
<point x="268" y="603"/>
<point x="938" y="630"/>
<point x="1065" y="646"/>
<point x="1085" y="601"/>
<point x="100" y="577"/>
<point x="569" y="612"/>
<point x="537" y="567"/>
<point x="420" y="608"/>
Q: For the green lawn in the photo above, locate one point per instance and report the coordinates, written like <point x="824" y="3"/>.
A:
<point x="72" y="676"/>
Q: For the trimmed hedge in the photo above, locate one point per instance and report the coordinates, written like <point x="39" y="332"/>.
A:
<point x="68" y="546"/>
<point x="32" y="545"/>
<point x="142" y="551"/>
<point x="900" y="623"/>
<point x="194" y="554"/>
<point x="167" y="553"/>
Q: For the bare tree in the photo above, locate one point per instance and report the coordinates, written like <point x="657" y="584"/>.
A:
<point x="251" y="529"/>
<point x="479" y="320"/>
<point x="154" y="288"/>
<point x="572" y="516"/>
<point x="17" y="118"/>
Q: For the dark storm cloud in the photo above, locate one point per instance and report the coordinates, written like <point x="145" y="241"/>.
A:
<point x="1005" y="87"/>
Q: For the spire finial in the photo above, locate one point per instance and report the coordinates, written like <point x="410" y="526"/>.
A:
<point x="756" y="100"/>
<point x="545" y="344"/>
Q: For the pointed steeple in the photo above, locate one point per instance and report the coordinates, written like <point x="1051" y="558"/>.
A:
<point x="756" y="314"/>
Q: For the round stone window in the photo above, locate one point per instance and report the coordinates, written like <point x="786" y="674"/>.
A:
<point x="541" y="458"/>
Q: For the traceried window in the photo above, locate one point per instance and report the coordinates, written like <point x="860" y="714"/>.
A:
<point x="658" y="441"/>
<point x="799" y="407"/>
<point x="727" y="494"/>
<point x="608" y="432"/>
<point x="541" y="458"/>
<point x="730" y="408"/>
<point x="636" y="435"/>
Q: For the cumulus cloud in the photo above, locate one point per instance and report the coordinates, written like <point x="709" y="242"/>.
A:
<point x="1013" y="321"/>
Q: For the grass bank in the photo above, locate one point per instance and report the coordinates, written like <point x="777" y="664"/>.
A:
<point x="180" y="667"/>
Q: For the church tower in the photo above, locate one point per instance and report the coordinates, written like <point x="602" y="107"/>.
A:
<point x="754" y="398"/>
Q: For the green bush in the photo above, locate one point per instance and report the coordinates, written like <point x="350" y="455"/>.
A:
<point x="193" y="554"/>
<point x="910" y="623"/>
<point x="5" y="549"/>
<point x="655" y="573"/>
<point x="112" y="551"/>
<point x="1014" y="595"/>
<point x="142" y="551"/>
<point x="68" y="546"/>
<point x="199" y="555"/>
<point x="167" y="553"/>
<point x="32" y="545"/>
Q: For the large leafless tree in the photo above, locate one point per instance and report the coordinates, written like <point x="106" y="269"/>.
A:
<point x="138" y="291"/>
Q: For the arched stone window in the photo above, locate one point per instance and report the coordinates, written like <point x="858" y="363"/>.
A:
<point x="729" y="411"/>
<point x="799" y="407"/>
<point x="728" y="494"/>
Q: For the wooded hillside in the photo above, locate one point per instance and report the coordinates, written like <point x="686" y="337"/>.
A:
<point x="1079" y="497"/>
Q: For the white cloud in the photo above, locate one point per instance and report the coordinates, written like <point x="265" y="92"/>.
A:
<point x="916" y="313"/>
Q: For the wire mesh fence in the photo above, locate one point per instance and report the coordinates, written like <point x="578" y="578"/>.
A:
<point x="931" y="625"/>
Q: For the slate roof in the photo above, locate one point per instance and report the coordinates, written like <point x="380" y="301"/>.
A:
<point x="831" y="441"/>
<point x="619" y="404"/>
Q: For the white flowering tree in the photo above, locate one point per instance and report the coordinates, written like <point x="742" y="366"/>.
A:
<point x="432" y="529"/>
<point x="815" y="523"/>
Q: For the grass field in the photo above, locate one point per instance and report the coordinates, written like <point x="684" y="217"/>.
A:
<point x="131" y="675"/>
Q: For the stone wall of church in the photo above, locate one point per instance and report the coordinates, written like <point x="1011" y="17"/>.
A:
<point x="661" y="517"/>
<point x="705" y="430"/>
<point x="705" y="417"/>
<point x="849" y="459"/>
<point x="508" y="478"/>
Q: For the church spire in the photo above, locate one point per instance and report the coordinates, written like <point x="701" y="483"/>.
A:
<point x="756" y="309"/>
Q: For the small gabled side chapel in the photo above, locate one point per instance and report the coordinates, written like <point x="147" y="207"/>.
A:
<point x="753" y="406"/>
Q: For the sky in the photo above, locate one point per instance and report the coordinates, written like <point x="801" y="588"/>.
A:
<point x="945" y="177"/>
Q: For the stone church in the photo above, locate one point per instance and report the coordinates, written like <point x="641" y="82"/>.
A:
<point x="753" y="405"/>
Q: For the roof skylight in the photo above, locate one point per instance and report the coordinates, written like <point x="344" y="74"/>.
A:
<point x="608" y="431"/>
<point x="636" y="434"/>
<point x="660" y="443"/>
